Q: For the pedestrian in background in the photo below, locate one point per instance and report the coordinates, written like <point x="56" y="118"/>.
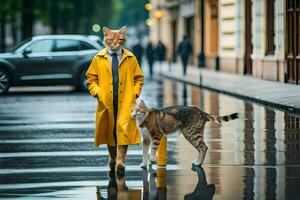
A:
<point x="150" y="54"/>
<point x="184" y="49"/>
<point x="160" y="52"/>
<point x="138" y="51"/>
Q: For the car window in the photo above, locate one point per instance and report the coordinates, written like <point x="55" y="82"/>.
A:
<point x="66" y="45"/>
<point x="17" y="46"/>
<point x="42" y="46"/>
<point x="86" y="46"/>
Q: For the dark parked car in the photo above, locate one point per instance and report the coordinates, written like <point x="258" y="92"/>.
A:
<point x="48" y="60"/>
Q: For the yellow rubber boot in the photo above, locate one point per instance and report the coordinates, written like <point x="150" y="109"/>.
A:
<point x="162" y="152"/>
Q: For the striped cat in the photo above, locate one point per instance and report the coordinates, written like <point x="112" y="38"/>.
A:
<point x="189" y="120"/>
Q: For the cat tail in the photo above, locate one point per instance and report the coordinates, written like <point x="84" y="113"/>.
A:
<point x="220" y="119"/>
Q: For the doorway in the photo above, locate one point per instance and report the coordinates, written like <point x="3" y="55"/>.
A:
<point x="293" y="41"/>
<point x="189" y="31"/>
<point x="211" y="34"/>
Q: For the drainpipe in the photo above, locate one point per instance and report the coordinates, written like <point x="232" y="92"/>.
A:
<point x="201" y="56"/>
<point x="217" y="59"/>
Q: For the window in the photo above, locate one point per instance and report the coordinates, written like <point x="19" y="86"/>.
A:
<point x="66" y="45"/>
<point x="17" y="46"/>
<point x="270" y="28"/>
<point x="42" y="46"/>
<point x="86" y="46"/>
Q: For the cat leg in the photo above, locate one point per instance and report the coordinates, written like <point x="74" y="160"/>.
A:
<point x="112" y="150"/>
<point x="197" y="141"/>
<point x="121" y="155"/>
<point x="154" y="146"/>
<point x="202" y="148"/>
<point x="146" y="146"/>
<point x="152" y="154"/>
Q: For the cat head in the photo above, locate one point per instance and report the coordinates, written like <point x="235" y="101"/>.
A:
<point x="114" y="39"/>
<point x="139" y="111"/>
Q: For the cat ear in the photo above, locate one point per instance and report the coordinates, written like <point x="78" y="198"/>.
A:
<point x="105" y="30"/>
<point x="123" y="29"/>
<point x="143" y="103"/>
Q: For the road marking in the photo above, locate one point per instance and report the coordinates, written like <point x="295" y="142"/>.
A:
<point x="129" y="183"/>
<point x="50" y="140"/>
<point x="56" y="140"/>
<point x="47" y="126"/>
<point x="63" y="153"/>
<point x="76" y="169"/>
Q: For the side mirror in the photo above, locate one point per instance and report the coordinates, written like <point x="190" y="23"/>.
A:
<point x="27" y="51"/>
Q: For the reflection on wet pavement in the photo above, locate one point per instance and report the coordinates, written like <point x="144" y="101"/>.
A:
<point x="256" y="156"/>
<point x="202" y="189"/>
<point x="117" y="189"/>
<point x="47" y="150"/>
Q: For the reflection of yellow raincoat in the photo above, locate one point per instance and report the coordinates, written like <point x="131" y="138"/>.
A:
<point x="131" y="79"/>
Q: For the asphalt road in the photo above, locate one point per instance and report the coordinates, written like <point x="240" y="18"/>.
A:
<point x="47" y="151"/>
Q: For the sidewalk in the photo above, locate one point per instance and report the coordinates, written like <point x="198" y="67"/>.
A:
<point x="275" y="94"/>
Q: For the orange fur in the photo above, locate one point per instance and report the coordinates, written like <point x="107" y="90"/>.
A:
<point x="114" y="39"/>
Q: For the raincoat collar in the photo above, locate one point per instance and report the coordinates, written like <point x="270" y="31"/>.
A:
<point x="104" y="52"/>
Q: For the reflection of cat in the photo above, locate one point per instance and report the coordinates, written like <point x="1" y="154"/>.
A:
<point x="202" y="190"/>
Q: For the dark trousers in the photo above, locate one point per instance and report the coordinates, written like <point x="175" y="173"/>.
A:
<point x="115" y="104"/>
<point x="184" y="60"/>
<point x="150" y="68"/>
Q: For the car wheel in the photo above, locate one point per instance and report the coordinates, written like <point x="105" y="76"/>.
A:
<point x="83" y="84"/>
<point x="4" y="81"/>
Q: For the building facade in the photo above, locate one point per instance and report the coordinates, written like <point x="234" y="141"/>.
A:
<point x="254" y="37"/>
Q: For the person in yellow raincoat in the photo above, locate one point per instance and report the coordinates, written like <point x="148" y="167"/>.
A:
<point x="115" y="79"/>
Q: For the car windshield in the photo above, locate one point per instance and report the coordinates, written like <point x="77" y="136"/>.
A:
<point x="16" y="47"/>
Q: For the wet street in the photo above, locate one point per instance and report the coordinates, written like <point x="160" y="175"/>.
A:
<point x="47" y="151"/>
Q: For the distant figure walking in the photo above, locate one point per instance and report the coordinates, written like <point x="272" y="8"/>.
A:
<point x="160" y="51"/>
<point x="138" y="51"/>
<point x="150" y="54"/>
<point x="184" y="50"/>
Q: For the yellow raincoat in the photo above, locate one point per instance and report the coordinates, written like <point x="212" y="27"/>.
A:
<point x="131" y="79"/>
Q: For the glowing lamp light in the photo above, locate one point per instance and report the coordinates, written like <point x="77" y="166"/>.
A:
<point x="149" y="22"/>
<point x="96" y="28"/>
<point x="148" y="6"/>
<point x="159" y="14"/>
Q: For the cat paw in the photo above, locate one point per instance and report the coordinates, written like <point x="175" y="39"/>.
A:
<point x="143" y="165"/>
<point x="152" y="159"/>
<point x="195" y="163"/>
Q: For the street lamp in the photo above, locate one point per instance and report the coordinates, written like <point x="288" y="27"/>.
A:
<point x="148" y="7"/>
<point x="148" y="22"/>
<point x="158" y="14"/>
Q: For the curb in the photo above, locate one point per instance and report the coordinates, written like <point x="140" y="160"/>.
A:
<point x="273" y="105"/>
